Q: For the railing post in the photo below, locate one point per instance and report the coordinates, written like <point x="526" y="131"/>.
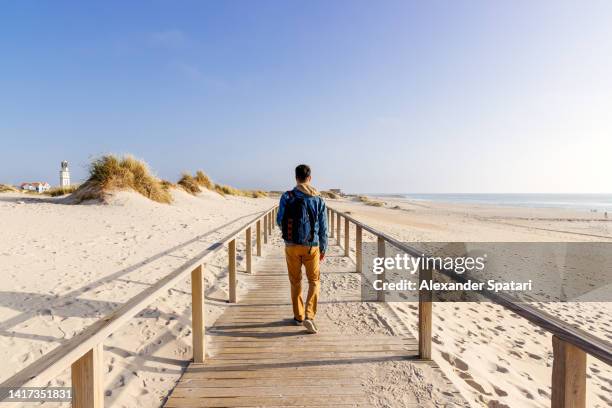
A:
<point x="338" y="227"/>
<point x="258" y="237"/>
<point x="331" y="224"/>
<point x="232" y="270"/>
<point x="425" y="315"/>
<point x="87" y="379"/>
<point x="270" y="223"/>
<point x="358" y="247"/>
<point x="381" y="254"/>
<point x="568" y="375"/>
<point x="347" y="237"/>
<point x="249" y="251"/>
<point x="265" y="228"/>
<point x="273" y="218"/>
<point x="197" y="315"/>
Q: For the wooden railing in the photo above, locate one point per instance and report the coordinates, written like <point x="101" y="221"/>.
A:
<point x="570" y="344"/>
<point x="83" y="353"/>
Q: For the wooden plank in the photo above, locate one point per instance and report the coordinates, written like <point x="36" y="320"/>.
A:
<point x="265" y="382"/>
<point x="87" y="379"/>
<point x="249" y="251"/>
<point x="425" y="316"/>
<point x="568" y="375"/>
<point x="331" y="224"/>
<point x="231" y="267"/>
<point x="347" y="237"/>
<point x="328" y="400"/>
<point x="359" y="248"/>
<point x="381" y="254"/>
<point x="258" y="237"/>
<point x="265" y="229"/>
<point x="278" y="391"/>
<point x="338" y="228"/>
<point x="197" y="315"/>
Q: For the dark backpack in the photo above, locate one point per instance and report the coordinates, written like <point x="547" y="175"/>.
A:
<point x="298" y="223"/>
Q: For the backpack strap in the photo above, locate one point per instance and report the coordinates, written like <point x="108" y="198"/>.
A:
<point x="313" y="221"/>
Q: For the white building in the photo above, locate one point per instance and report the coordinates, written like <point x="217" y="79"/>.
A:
<point x="64" y="175"/>
<point x="37" y="186"/>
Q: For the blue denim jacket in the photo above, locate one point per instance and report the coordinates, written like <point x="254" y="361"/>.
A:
<point x="318" y="205"/>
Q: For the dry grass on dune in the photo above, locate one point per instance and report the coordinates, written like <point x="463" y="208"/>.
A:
<point x="7" y="188"/>
<point x="60" y="191"/>
<point x="329" y="194"/>
<point x="203" y="180"/>
<point x="228" y="190"/>
<point x="121" y="173"/>
<point x="167" y="185"/>
<point x="189" y="184"/>
<point x="368" y="201"/>
<point x="195" y="184"/>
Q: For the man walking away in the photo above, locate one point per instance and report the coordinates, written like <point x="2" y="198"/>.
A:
<point x="302" y="217"/>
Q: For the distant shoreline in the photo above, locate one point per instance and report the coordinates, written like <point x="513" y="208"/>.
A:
<point x="581" y="202"/>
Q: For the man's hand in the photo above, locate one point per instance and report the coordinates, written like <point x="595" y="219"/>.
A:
<point x="321" y="256"/>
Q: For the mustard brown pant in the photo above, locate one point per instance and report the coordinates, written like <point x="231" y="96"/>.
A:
<point x="296" y="256"/>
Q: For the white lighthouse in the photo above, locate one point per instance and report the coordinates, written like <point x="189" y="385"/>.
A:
<point x="64" y="175"/>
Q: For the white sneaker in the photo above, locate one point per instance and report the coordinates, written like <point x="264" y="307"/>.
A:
<point x="310" y="326"/>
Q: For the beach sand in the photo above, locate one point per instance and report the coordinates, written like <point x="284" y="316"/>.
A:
<point x="494" y="357"/>
<point x="65" y="266"/>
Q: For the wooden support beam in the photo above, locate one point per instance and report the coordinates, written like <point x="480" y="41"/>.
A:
<point x="338" y="228"/>
<point x="270" y="223"/>
<point x="258" y="237"/>
<point x="265" y="228"/>
<point x="347" y="237"/>
<point x="87" y="379"/>
<point x="568" y="375"/>
<point x="197" y="315"/>
<point x="381" y="254"/>
<point x="331" y="224"/>
<point x="359" y="248"/>
<point x="249" y="251"/>
<point x="231" y="252"/>
<point x="425" y="316"/>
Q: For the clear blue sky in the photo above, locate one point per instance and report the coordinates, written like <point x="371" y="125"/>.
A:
<point x="389" y="96"/>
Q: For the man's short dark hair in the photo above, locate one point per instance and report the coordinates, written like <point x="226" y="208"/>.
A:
<point x="302" y="172"/>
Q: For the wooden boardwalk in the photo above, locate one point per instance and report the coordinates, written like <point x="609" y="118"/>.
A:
<point x="256" y="357"/>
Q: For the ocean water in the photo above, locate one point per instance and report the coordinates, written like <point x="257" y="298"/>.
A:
<point x="584" y="202"/>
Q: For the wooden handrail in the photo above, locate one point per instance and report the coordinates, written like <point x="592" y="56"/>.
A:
<point x="570" y="343"/>
<point x="53" y="363"/>
<point x="599" y="348"/>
